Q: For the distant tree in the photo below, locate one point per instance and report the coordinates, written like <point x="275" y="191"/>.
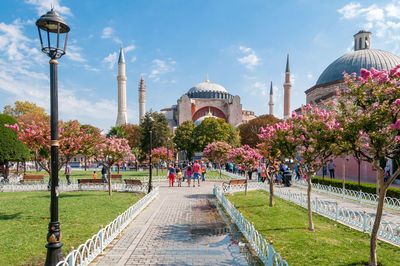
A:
<point x="112" y="151"/>
<point x="184" y="138"/>
<point x="247" y="158"/>
<point x="127" y="131"/>
<point x="249" y="131"/>
<point x="214" y="130"/>
<point x="90" y="141"/>
<point x="160" y="131"/>
<point x="11" y="149"/>
<point x="26" y="111"/>
<point x="217" y="152"/>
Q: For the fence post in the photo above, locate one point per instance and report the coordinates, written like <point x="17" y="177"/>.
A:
<point x="329" y="190"/>
<point x="360" y="198"/>
<point x="270" y="254"/>
<point x="101" y="239"/>
<point x="71" y="260"/>
<point x="337" y="211"/>
<point x="364" y="221"/>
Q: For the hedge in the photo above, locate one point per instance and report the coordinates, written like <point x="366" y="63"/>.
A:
<point x="364" y="187"/>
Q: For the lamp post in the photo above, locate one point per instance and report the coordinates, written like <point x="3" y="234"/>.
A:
<point x="168" y="139"/>
<point x="53" y="25"/>
<point x="151" y="121"/>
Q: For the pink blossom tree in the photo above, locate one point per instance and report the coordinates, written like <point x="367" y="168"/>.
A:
<point x="110" y="152"/>
<point x="161" y="154"/>
<point x="217" y="152"/>
<point x="247" y="158"/>
<point x="277" y="144"/>
<point x="371" y="108"/>
<point x="316" y="133"/>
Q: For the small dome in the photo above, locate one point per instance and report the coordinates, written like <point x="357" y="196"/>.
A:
<point x="207" y="86"/>
<point x="354" y="61"/>
<point x="201" y="119"/>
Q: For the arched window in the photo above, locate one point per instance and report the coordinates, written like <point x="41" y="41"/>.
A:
<point x="359" y="43"/>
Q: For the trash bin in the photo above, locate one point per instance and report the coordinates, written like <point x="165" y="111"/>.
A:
<point x="287" y="178"/>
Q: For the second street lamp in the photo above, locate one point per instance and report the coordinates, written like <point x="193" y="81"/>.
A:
<point x="151" y="122"/>
<point x="53" y="25"/>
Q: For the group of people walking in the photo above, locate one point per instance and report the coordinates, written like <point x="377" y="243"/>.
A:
<point x="195" y="171"/>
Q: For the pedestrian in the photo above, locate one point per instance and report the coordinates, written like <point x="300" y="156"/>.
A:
<point x="331" y="168"/>
<point x="324" y="171"/>
<point x="259" y="171"/>
<point x="68" y="173"/>
<point x="104" y="174"/>
<point x="171" y="175"/>
<point x="297" y="171"/>
<point x="94" y="175"/>
<point x="179" y="176"/>
<point x="386" y="175"/>
<point x="263" y="174"/>
<point x="196" y="173"/>
<point x="189" y="174"/>
<point x="203" y="172"/>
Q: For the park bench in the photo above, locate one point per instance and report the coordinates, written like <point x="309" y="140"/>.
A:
<point x="116" y="176"/>
<point x="233" y="182"/>
<point x="90" y="181"/>
<point x="133" y="182"/>
<point x="32" y="178"/>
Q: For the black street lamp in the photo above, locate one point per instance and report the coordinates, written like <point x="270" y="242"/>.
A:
<point x="151" y="121"/>
<point x="53" y="25"/>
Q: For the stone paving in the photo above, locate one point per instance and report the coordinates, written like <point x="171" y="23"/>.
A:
<point x="388" y="215"/>
<point x="183" y="226"/>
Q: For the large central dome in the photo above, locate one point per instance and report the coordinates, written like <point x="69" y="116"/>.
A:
<point x="354" y="61"/>
<point x="207" y="86"/>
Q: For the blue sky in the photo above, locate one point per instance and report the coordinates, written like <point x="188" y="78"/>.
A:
<point x="173" y="44"/>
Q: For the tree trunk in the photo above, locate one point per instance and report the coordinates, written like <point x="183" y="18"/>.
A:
<point x="271" y="189"/>
<point x="85" y="163"/>
<point x="373" y="260"/>
<point x="310" y="221"/>
<point x="343" y="172"/>
<point x="109" y="180"/>
<point x="118" y="168"/>
<point x="36" y="164"/>
<point x="17" y="168"/>
<point x="245" y="187"/>
<point x="24" y="167"/>
<point x="220" y="171"/>
<point x="157" y="169"/>
<point x="359" y="173"/>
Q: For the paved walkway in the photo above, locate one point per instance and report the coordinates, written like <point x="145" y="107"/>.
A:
<point x="183" y="226"/>
<point x="388" y="215"/>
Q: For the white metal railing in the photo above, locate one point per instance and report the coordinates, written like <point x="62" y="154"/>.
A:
<point x="360" y="220"/>
<point x="362" y="197"/>
<point x="95" y="245"/>
<point x="264" y="250"/>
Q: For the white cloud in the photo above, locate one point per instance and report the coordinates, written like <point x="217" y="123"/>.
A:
<point x="133" y="59"/>
<point x="250" y="59"/>
<point x="111" y="60"/>
<point x="161" y="67"/>
<point x="309" y="75"/>
<point x="43" y="6"/>
<point x="129" y="48"/>
<point x="109" y="33"/>
<point x="74" y="54"/>
<point x="382" y="19"/>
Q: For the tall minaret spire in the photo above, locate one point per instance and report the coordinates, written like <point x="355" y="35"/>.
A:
<point x="121" y="117"/>
<point x="287" y="86"/>
<point x="271" y="101"/>
<point x="142" y="99"/>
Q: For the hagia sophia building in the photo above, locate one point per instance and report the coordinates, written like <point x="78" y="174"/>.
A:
<point x="209" y="99"/>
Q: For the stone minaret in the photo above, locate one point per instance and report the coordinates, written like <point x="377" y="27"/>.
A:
<point x="142" y="99"/>
<point x="362" y="40"/>
<point x="271" y="101"/>
<point x="121" y="118"/>
<point x="287" y="85"/>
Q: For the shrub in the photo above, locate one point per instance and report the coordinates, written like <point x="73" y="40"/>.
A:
<point x="368" y="188"/>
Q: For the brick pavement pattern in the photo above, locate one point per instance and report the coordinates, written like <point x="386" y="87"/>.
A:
<point x="181" y="227"/>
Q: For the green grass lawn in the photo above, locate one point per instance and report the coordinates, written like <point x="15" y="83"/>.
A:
<point x="77" y="174"/>
<point x="24" y="217"/>
<point x="330" y="244"/>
